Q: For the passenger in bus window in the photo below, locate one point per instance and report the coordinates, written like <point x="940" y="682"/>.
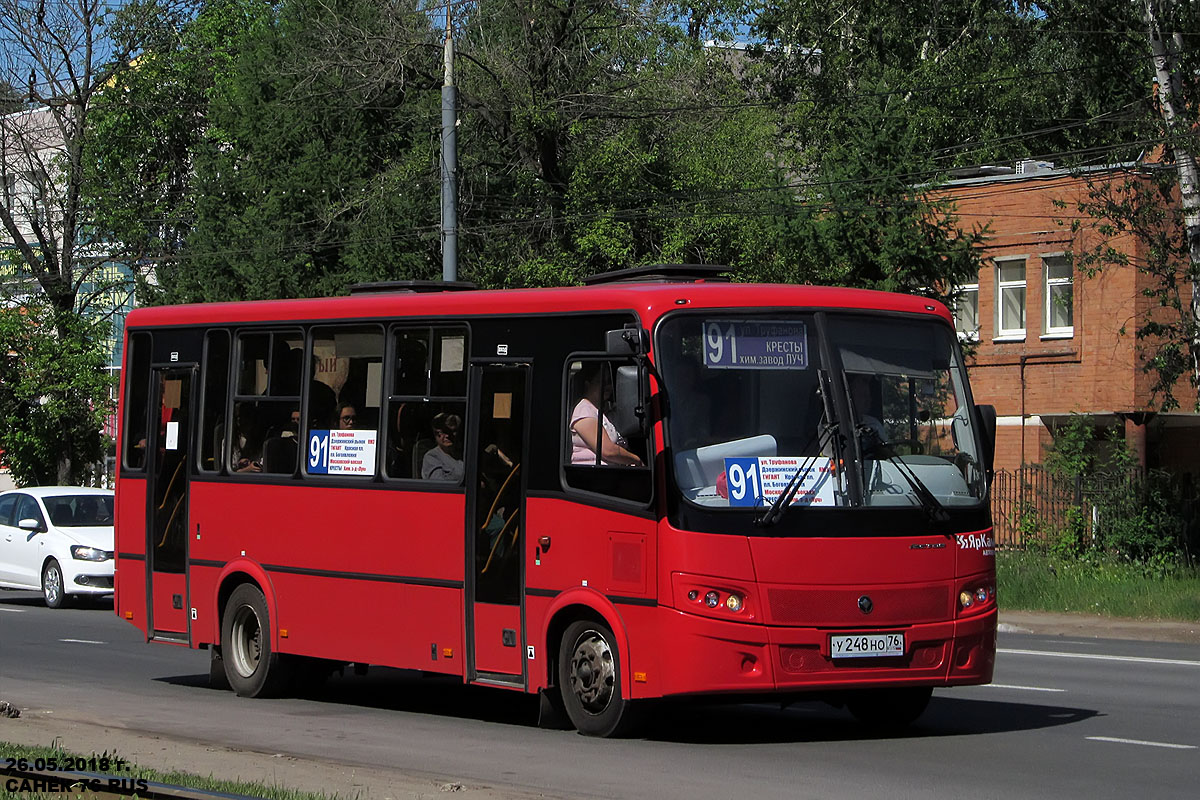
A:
<point x="444" y="462"/>
<point x="246" y="455"/>
<point x="594" y="438"/>
<point x="345" y="417"/>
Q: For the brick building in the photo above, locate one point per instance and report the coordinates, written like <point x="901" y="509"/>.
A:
<point x="1049" y="341"/>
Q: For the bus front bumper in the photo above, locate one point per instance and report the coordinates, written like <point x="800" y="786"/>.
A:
<point x="714" y="656"/>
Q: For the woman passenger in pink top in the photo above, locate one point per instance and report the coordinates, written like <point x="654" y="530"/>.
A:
<point x="592" y="432"/>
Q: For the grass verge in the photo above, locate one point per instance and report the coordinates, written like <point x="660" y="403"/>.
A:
<point x="131" y="773"/>
<point x="1032" y="581"/>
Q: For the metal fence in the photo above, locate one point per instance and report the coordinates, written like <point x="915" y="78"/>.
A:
<point x="1031" y="503"/>
<point x="1028" y="500"/>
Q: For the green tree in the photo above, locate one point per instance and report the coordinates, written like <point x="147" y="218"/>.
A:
<point x="55" y="266"/>
<point x="53" y="395"/>
<point x="292" y="174"/>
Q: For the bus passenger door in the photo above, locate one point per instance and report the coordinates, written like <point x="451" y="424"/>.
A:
<point x="167" y="515"/>
<point x="495" y="524"/>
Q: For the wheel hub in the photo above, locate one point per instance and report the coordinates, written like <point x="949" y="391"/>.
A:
<point x="593" y="672"/>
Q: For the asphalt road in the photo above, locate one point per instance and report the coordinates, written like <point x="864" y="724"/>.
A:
<point x="1067" y="717"/>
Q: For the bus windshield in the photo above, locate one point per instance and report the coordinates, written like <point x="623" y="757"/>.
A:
<point x="846" y="410"/>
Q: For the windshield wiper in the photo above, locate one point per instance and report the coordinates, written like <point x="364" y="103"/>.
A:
<point x="784" y="502"/>
<point x="929" y="502"/>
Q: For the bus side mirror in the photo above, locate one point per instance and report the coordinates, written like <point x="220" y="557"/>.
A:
<point x="987" y="419"/>
<point x="633" y="341"/>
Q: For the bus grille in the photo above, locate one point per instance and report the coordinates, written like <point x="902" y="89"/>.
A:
<point x="820" y="607"/>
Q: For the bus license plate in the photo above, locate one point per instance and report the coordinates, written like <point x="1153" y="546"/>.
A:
<point x="867" y="645"/>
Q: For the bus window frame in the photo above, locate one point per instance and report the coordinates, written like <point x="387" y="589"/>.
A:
<point x="235" y="363"/>
<point x="308" y="377"/>
<point x="391" y="352"/>
<point x="563" y="453"/>
<point x="126" y="445"/>
<point x="223" y="422"/>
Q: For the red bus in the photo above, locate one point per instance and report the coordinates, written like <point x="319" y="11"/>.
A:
<point x="656" y="485"/>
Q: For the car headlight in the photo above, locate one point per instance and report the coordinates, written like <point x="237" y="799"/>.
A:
<point x="84" y="553"/>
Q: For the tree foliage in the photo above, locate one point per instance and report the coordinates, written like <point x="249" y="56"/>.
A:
<point x="54" y="394"/>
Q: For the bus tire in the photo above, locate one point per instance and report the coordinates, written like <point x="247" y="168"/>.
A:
<point x="889" y="710"/>
<point x="252" y="668"/>
<point x="589" y="678"/>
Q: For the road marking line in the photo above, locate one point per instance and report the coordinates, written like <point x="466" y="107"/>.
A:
<point x="1023" y="688"/>
<point x="1098" y="657"/>
<point x="14" y="610"/>
<point x="1168" y="745"/>
<point x="81" y="641"/>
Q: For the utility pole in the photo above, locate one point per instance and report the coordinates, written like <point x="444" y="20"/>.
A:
<point x="449" y="159"/>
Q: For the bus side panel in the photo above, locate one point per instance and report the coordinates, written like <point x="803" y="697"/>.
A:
<point x="607" y="551"/>
<point x="390" y="624"/>
<point x="612" y="552"/>
<point x="366" y="575"/>
<point x="130" y="582"/>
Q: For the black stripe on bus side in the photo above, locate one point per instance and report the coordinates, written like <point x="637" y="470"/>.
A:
<point x="132" y="556"/>
<point x="204" y="562"/>
<point x="364" y="576"/>
<point x="615" y="598"/>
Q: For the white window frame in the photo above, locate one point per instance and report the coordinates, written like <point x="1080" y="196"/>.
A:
<point x="1011" y="334"/>
<point x="963" y="292"/>
<point x="1062" y="331"/>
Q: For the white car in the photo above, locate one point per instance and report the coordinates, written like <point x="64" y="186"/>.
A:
<point x="58" y="539"/>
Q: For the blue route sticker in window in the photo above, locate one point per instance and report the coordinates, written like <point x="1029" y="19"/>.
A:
<point x="341" y="452"/>
<point x="760" y="481"/>
<point x="755" y="344"/>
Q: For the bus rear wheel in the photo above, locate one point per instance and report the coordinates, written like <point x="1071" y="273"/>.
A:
<point x="889" y="710"/>
<point x="252" y="668"/>
<point x="589" y="679"/>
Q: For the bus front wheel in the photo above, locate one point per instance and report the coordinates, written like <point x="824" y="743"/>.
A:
<point x="252" y="668"/>
<point x="589" y="679"/>
<point x="889" y="710"/>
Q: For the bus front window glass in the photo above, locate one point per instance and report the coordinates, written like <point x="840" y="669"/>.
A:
<point x="744" y="412"/>
<point x="906" y="388"/>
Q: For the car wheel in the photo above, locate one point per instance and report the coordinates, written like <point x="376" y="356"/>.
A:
<point x="54" y="588"/>
<point x="589" y="678"/>
<point x="252" y="668"/>
<point x="889" y="710"/>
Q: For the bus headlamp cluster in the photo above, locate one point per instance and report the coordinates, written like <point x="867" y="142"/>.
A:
<point x="712" y="599"/>
<point x="977" y="597"/>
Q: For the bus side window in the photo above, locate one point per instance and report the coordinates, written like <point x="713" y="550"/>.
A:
<point x="137" y="402"/>
<point x="216" y="390"/>
<point x="428" y="390"/>
<point x="344" y="395"/>
<point x="605" y="448"/>
<point x="266" y="407"/>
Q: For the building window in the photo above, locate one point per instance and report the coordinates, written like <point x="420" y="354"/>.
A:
<point x="1010" y="299"/>
<point x="1059" y="316"/>
<point x="966" y="311"/>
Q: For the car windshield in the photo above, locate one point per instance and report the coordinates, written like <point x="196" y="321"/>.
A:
<point x="79" y="510"/>
<point x="752" y="408"/>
